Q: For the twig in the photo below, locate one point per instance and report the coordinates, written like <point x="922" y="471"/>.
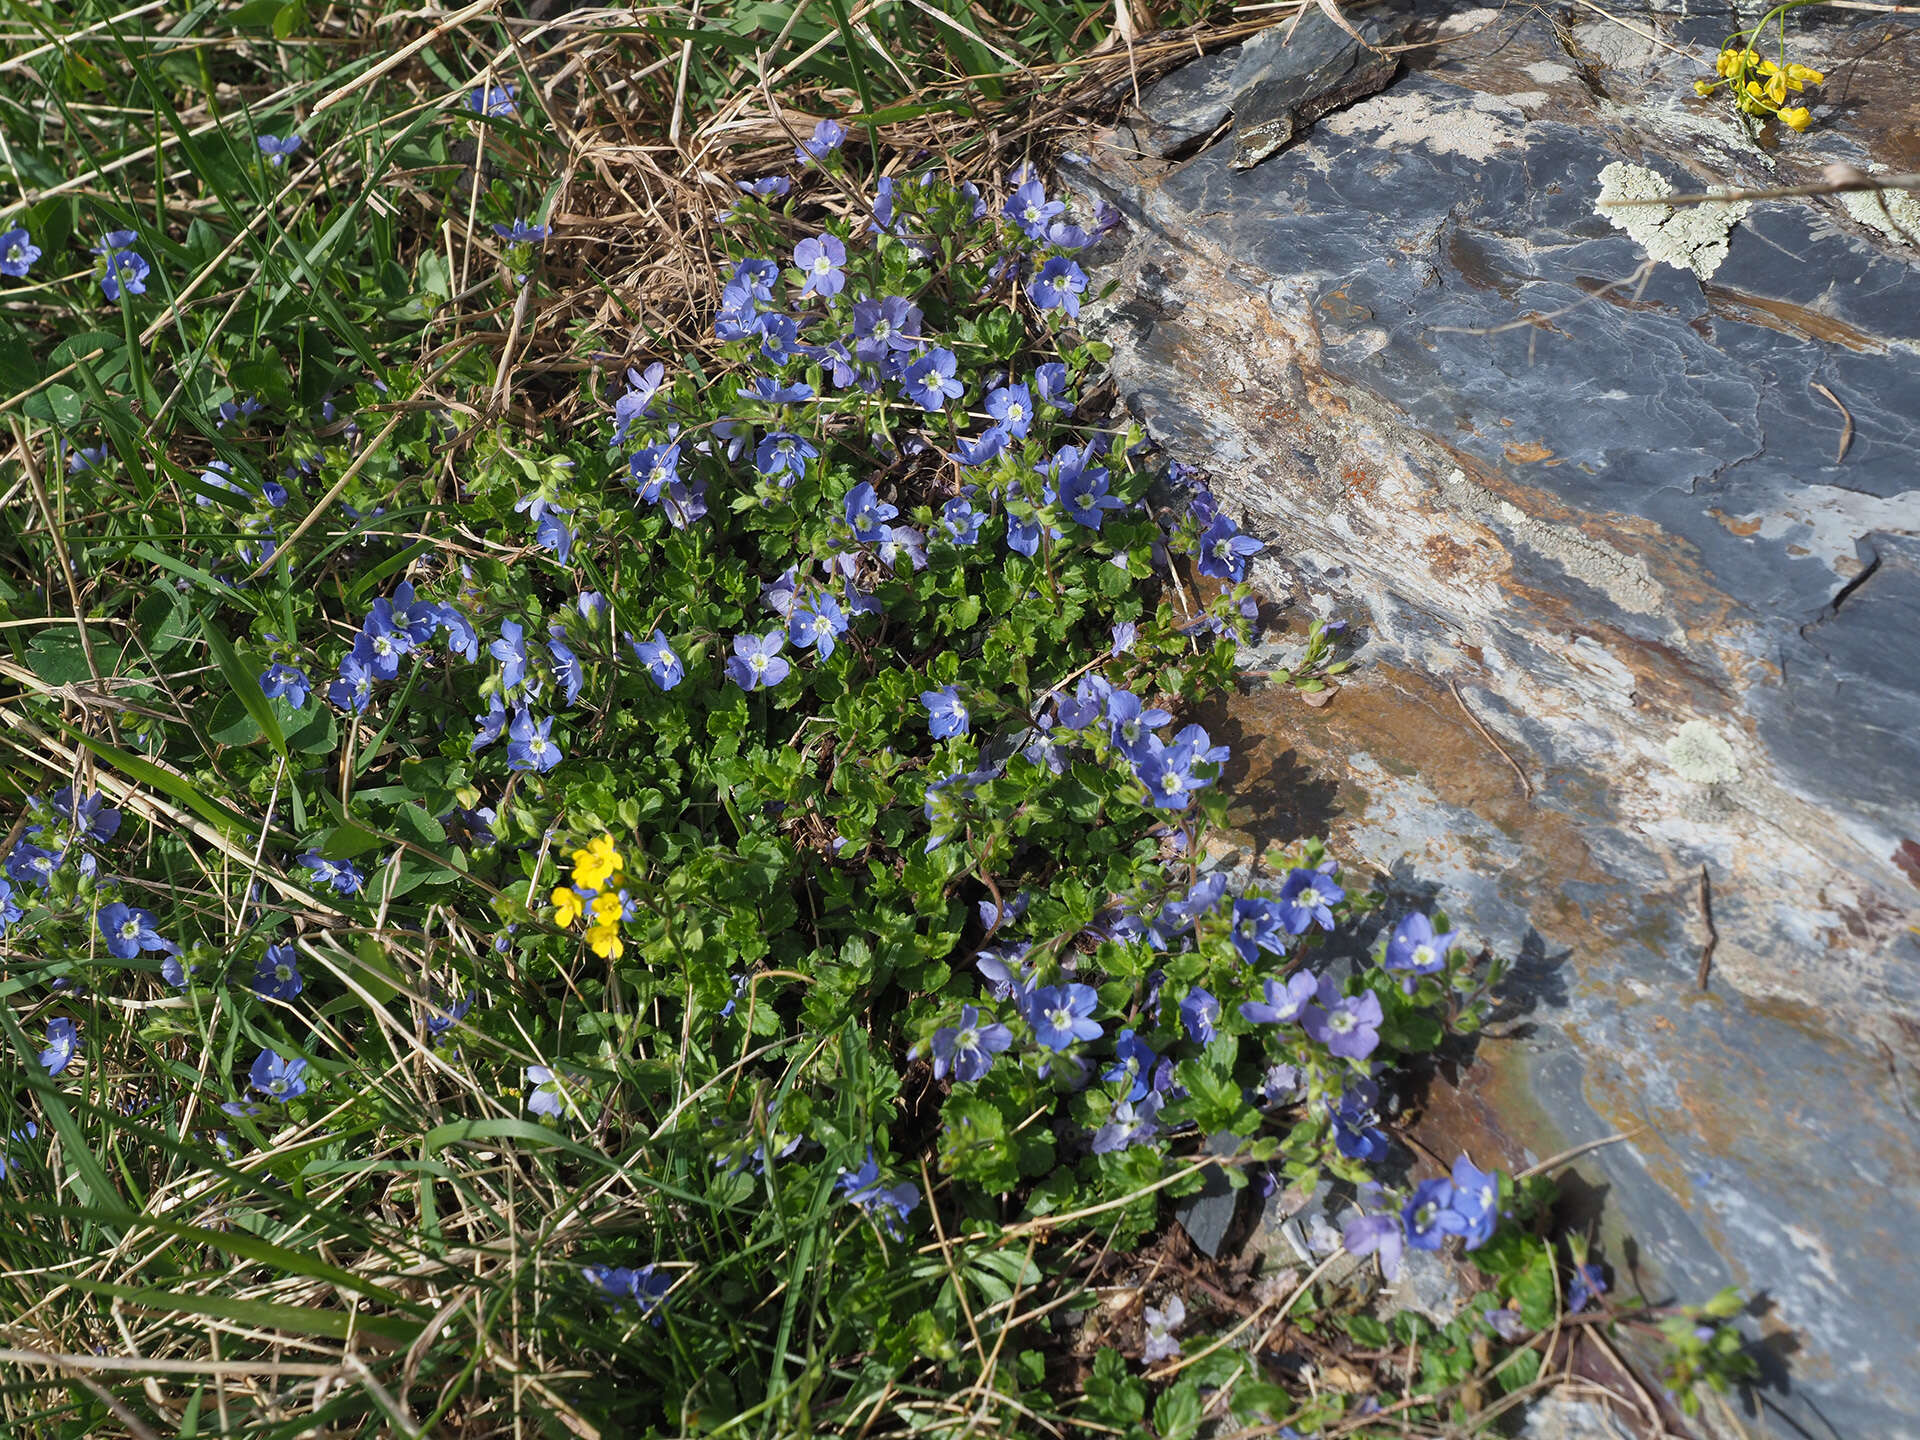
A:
<point x="1842" y="179"/>
<point x="1713" y="935"/>
<point x="1638" y="279"/>
<point x="1525" y="783"/>
<point x="1553" y="1162"/>
<point x="1846" y="434"/>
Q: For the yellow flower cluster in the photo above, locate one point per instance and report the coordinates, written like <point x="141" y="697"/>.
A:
<point x="594" y="894"/>
<point x="1761" y="87"/>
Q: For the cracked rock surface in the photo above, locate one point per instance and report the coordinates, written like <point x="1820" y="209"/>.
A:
<point x="1628" y="607"/>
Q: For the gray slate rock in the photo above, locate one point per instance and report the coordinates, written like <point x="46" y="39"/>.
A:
<point x="1291" y="75"/>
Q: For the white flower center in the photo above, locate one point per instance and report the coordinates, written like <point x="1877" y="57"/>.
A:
<point x="757" y="663"/>
<point x="130" y="930"/>
<point x="881" y="329"/>
<point x="1310" y="899"/>
<point x="822" y="265"/>
<point x="1423" y="954"/>
<point x="1061" y="1019"/>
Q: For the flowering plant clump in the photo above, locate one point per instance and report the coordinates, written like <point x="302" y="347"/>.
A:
<point x="710" y="859"/>
<point x="1763" y="87"/>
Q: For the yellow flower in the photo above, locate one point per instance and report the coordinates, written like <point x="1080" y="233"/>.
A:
<point x="606" y="909"/>
<point x="605" y="941"/>
<point x="1799" y="117"/>
<point x="566" y="907"/>
<point x="1804" y="75"/>
<point x="597" y="864"/>
<point x="1777" y="88"/>
<point x="1728" y="62"/>
<point x="1703" y="87"/>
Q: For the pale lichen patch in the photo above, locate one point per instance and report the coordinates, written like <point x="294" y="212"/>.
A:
<point x="1700" y="753"/>
<point x="1687" y="237"/>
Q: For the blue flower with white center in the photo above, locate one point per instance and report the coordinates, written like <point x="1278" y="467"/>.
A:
<point x="490" y="725"/>
<point x="1224" y="550"/>
<point x="287" y="682"/>
<point x="929" y="381"/>
<point x="756" y="663"/>
<point x="63" y="1043"/>
<point x="657" y="655"/>
<point x="340" y="874"/>
<point x="278" y="976"/>
<point x="684" y="503"/>
<point x="1284" y="1000"/>
<point x="653" y="469"/>
<point x="530" y="744"/>
<point x="128" y="931"/>
<point x="637" y="401"/>
<point x="380" y="651"/>
<point x="827" y="137"/>
<point x="1029" y="208"/>
<point x="566" y="665"/>
<point x="521" y="232"/>
<point x="1130" y="1122"/>
<point x="277" y="1078"/>
<point x="1168" y="773"/>
<point x="1083" y="489"/>
<point x="1414" y="946"/>
<point x="1430" y="1216"/>
<point x="821" y="260"/>
<point x="778" y="334"/>
<point x="1307" y="898"/>
<point x="1133" y="1063"/>
<point x="1348" y="1025"/>
<point x="17" y="253"/>
<point x="1256" y="927"/>
<point x="1061" y="1015"/>
<point x="121" y="270"/>
<point x="1058" y="286"/>
<point x="354" y="689"/>
<point x="784" y="453"/>
<point x="867" y="513"/>
<point x="967" y="1049"/>
<point x="767" y="187"/>
<point x="883" y="326"/>
<point x="817" y="623"/>
<point x="962" y="524"/>
<point x="946" y="714"/>
<point x="493" y="100"/>
<point x="1356" y="1132"/>
<point x="1011" y="407"/>
<point x="901" y="542"/>
<point x="277" y="149"/>
<point x="756" y="277"/>
<point x="552" y="534"/>
<point x="1476" y="1200"/>
<point x="89" y="818"/>
<point x="1200" y="1013"/>
<point x="548" y="1095"/>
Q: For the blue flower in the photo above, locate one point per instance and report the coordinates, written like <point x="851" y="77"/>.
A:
<point x="89" y="818"/>
<point x="1349" y="1026"/>
<point x="553" y="534"/>
<point x="10" y="910"/>
<point x="777" y="336"/>
<point x="767" y="187"/>
<point x="637" y="402"/>
<point x="548" y="1093"/>
<point x="277" y="150"/>
<point x="461" y="639"/>
<point x="1284" y="999"/>
<point x="653" y="469"/>
<point x="646" y="1286"/>
<point x="783" y="452"/>
<point x="756" y="662"/>
<point x="771" y="389"/>
<point x="446" y="1016"/>
<point x="340" y="874"/>
<point x="494" y="100"/>
<point x="17" y="253"/>
<point x="898" y="542"/>
<point x="1587" y="1286"/>
<point x="867" y="512"/>
<point x="1059" y="1015"/>
<point x="1476" y="1200"/>
<point x="1307" y="898"/>
<point x="279" y="680"/>
<point x="511" y="651"/>
<point x="1413" y="946"/>
<point x="121" y="270"/>
<point x="1011" y="407"/>
<point x="490" y="724"/>
<point x="821" y="260"/>
<point x="1356" y="1132"/>
<point x="277" y="1078"/>
<point x="1131" y="724"/>
<point x="889" y="1203"/>
<point x="1083" y="491"/>
<point x="354" y="689"/>
<point x="1130" y="1122"/>
<point x="63" y="1041"/>
<point x="1133" y="1063"/>
<point x="883" y="326"/>
<point x="1430" y="1216"/>
<point x="662" y="664"/>
<point x="90" y="457"/>
<point x="1386" y="1234"/>
<point x="1167" y="772"/>
<point x="278" y="977"/>
<point x="529" y="743"/>
<point x="1029" y="208"/>
<point x="969" y="1047"/>
<point x="1224" y="550"/>
<point x="129" y="931"/>
<point x="566" y="666"/>
<point x="818" y="623"/>
<point x="827" y="137"/>
<point x="523" y="233"/>
<point x="756" y="277"/>
<point x="929" y="381"/>
<point x="981" y="448"/>
<point x="1058" y="286"/>
<point x="1050" y="386"/>
<point x="961" y="523"/>
<point x="946" y="715"/>
<point x="1199" y="1012"/>
<point x="1256" y="927"/>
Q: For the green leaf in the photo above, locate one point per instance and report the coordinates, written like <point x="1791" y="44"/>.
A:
<point x="1177" y="1413"/>
<point x="244" y="683"/>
